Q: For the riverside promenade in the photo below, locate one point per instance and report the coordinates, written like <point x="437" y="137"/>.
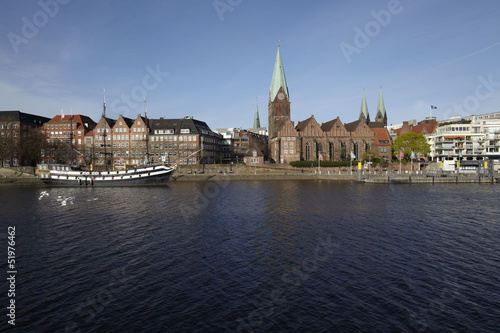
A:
<point x="430" y="178"/>
<point x="25" y="176"/>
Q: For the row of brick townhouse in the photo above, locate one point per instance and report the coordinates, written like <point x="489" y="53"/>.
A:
<point x="141" y="140"/>
<point x="78" y="140"/>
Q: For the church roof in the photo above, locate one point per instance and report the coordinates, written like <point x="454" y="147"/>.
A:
<point x="376" y="124"/>
<point x="363" y="112"/>
<point x="330" y="124"/>
<point x="351" y="127"/>
<point x="301" y="126"/>
<point x="278" y="79"/>
<point x="381" y="105"/>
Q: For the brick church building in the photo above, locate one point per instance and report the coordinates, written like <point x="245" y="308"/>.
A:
<point x="309" y="140"/>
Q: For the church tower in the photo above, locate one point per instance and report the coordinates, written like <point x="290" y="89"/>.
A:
<point x="381" y="116"/>
<point x="279" y="99"/>
<point x="363" y="113"/>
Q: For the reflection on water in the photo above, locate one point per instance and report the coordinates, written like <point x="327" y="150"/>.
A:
<point x="257" y="256"/>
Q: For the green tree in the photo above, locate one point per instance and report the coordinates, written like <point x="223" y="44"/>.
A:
<point x="411" y="142"/>
<point x="370" y="155"/>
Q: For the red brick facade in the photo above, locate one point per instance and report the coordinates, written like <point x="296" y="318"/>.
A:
<point x="65" y="135"/>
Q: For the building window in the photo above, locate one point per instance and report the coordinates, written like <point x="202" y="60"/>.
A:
<point x="308" y="151"/>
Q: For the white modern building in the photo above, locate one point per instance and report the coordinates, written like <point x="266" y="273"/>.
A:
<point x="474" y="139"/>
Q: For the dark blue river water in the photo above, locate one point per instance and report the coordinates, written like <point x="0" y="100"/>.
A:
<point x="254" y="256"/>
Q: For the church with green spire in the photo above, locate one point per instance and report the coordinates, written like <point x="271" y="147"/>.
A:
<point x="309" y="140"/>
<point x="380" y="116"/>
<point x="279" y="98"/>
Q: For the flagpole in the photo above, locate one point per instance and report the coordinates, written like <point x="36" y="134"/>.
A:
<point x="319" y="163"/>
<point x="351" y="162"/>
<point x="400" y="158"/>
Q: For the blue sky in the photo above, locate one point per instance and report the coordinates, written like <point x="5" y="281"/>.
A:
<point x="212" y="59"/>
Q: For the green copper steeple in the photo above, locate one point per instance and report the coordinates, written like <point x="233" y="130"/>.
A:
<point x="381" y="115"/>
<point x="363" y="113"/>
<point x="256" y="120"/>
<point x="278" y="78"/>
<point x="381" y="105"/>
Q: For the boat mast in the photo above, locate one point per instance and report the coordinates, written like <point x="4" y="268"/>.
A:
<point x="71" y="137"/>
<point x="147" y="132"/>
<point x="104" y="134"/>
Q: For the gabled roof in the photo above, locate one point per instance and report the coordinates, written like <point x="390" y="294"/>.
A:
<point x="129" y="122"/>
<point x="249" y="152"/>
<point x="84" y="122"/>
<point x="381" y="134"/>
<point x="425" y="127"/>
<point x="141" y="117"/>
<point x="278" y="79"/>
<point x="302" y="125"/>
<point x="109" y="121"/>
<point x="351" y="127"/>
<point x="328" y="126"/>
<point x="286" y="123"/>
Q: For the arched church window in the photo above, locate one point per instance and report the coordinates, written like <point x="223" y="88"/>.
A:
<point x="308" y="151"/>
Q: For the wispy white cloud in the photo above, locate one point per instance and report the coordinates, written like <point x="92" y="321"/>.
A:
<point x="469" y="55"/>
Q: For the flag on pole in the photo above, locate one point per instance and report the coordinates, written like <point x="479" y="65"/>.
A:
<point x="433" y="107"/>
<point x="320" y="156"/>
<point x="352" y="155"/>
<point x="412" y="154"/>
<point x="401" y="154"/>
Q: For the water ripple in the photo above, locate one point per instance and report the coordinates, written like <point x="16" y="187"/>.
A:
<point x="296" y="256"/>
